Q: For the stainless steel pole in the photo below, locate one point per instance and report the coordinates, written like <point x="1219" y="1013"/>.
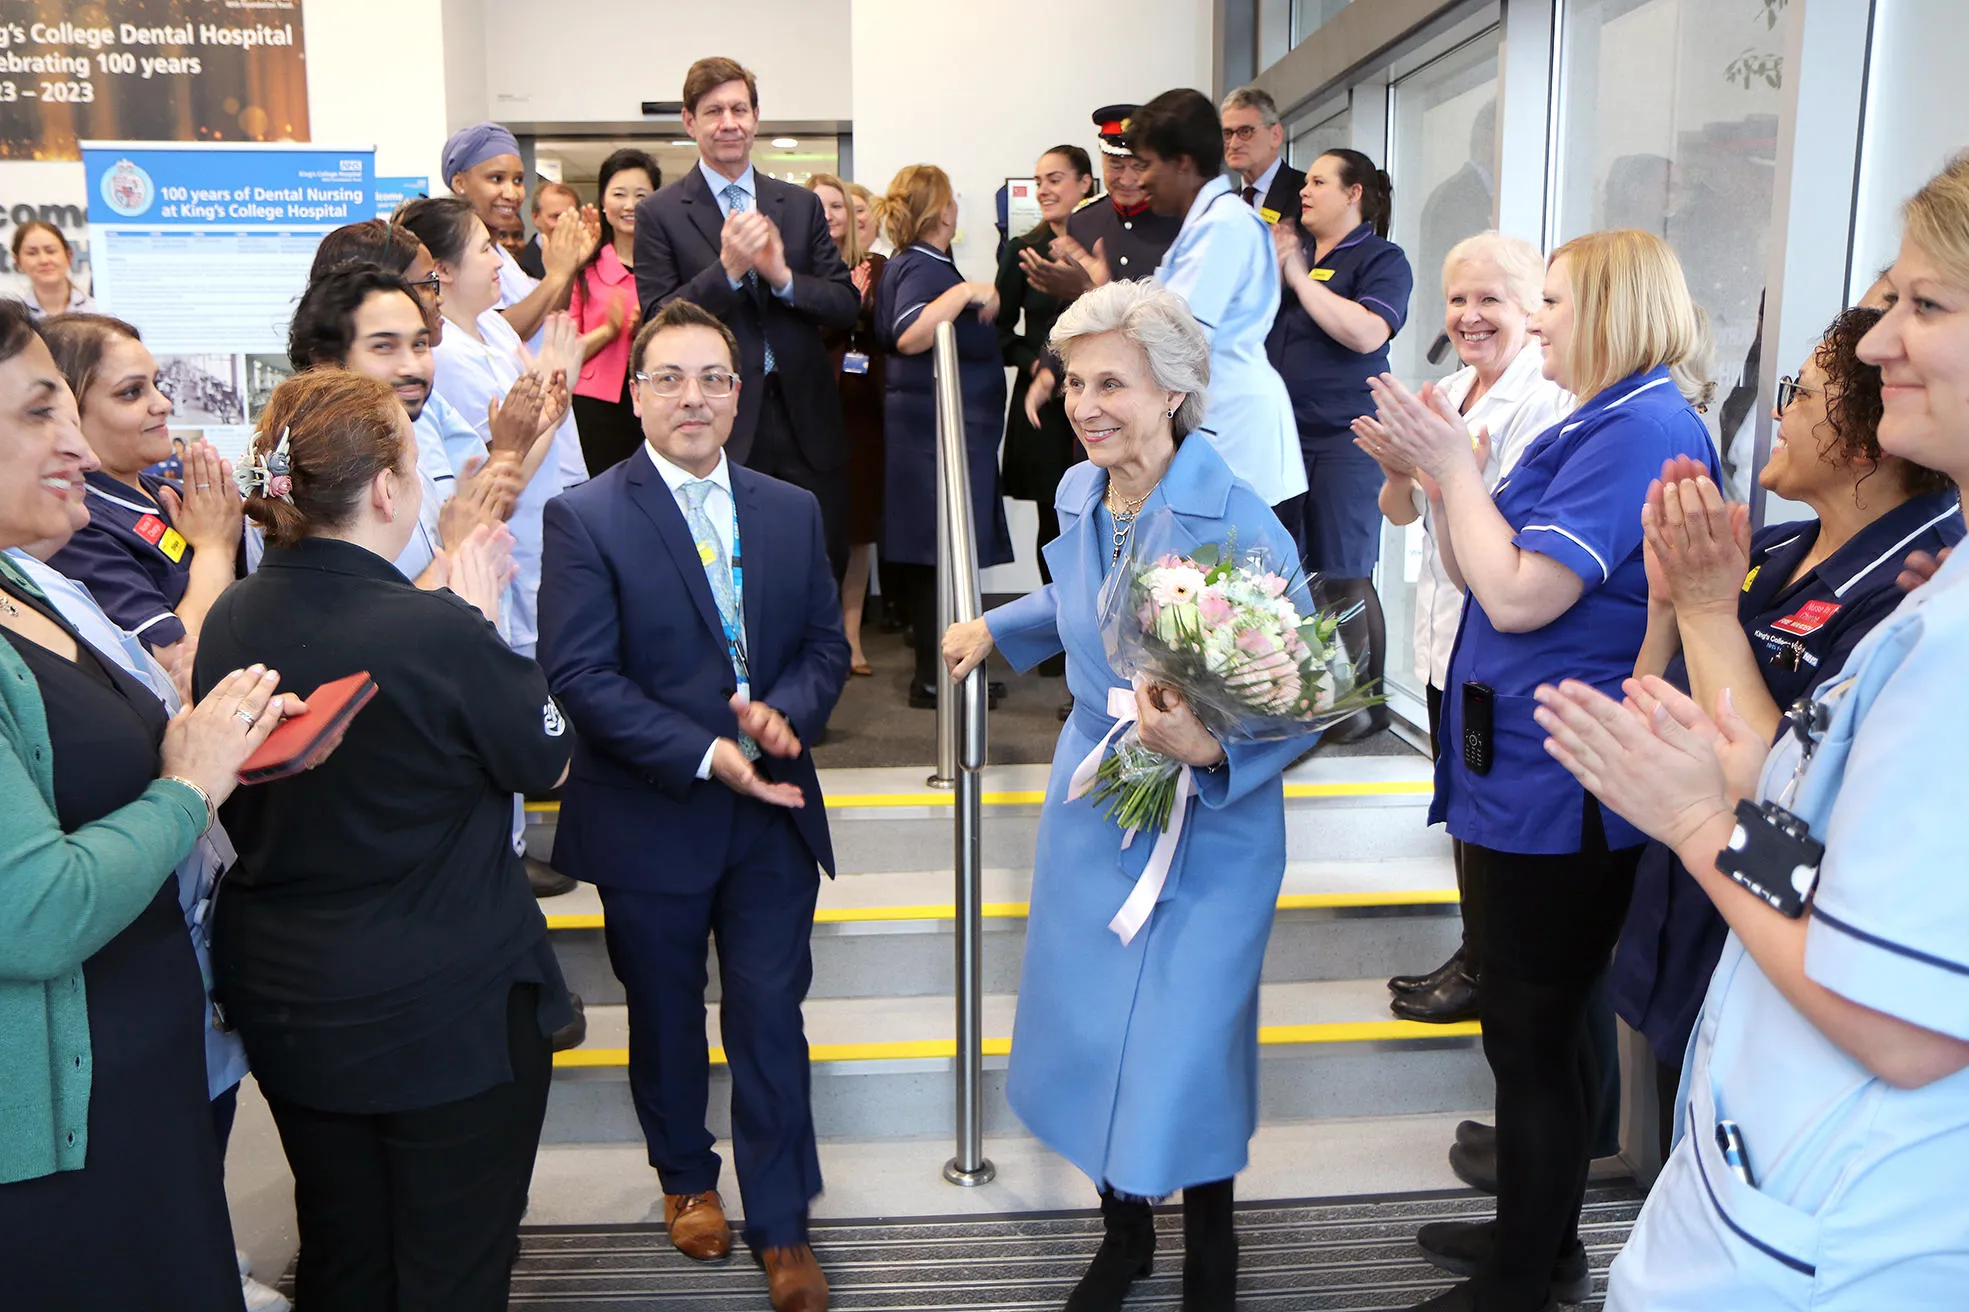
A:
<point x="961" y="709"/>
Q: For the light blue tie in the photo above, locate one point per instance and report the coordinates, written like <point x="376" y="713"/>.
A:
<point x="738" y="201"/>
<point x="718" y="571"/>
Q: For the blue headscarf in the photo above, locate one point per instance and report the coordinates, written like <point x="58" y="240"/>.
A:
<point x="470" y="147"/>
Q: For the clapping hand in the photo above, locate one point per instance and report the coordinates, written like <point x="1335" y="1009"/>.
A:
<point x="984" y="296"/>
<point x="1699" y="543"/>
<point x="1061" y="278"/>
<point x="563" y="249"/>
<point x="209" y="514"/>
<point x="515" y="423"/>
<point x="1656" y="759"/>
<point x="1039" y="392"/>
<point x="775" y="737"/>
<point x="1288" y="249"/>
<point x="487" y="492"/>
<point x="1424" y="429"/>
<point x="207" y="743"/>
<point x="480" y="569"/>
<point x="1093" y="264"/>
<point x="742" y="241"/>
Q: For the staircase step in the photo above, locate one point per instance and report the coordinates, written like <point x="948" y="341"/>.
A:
<point x="882" y="935"/>
<point x="883" y="1066"/>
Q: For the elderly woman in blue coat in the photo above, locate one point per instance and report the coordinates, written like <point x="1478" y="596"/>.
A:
<point x="1137" y="1058"/>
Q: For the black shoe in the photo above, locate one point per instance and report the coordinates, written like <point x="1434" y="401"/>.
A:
<point x="1455" y="999"/>
<point x="1478" y="1136"/>
<point x="1127" y="1253"/>
<point x="1475" y="1167"/>
<point x="575" y="1032"/>
<point x="545" y="881"/>
<point x="1209" y="1249"/>
<point x="1423" y="983"/>
<point x="1462" y="1247"/>
<point x="1359" y="725"/>
<point x="1462" y="1298"/>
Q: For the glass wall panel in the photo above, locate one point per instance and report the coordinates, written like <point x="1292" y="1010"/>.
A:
<point x="1307" y="15"/>
<point x="1669" y="122"/>
<point x="1444" y="167"/>
<point x="1307" y="139"/>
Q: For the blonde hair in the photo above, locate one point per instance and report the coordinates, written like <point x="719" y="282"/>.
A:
<point x="851" y="252"/>
<point x="916" y="200"/>
<point x="1632" y="313"/>
<point x="1937" y="219"/>
<point x="1517" y="259"/>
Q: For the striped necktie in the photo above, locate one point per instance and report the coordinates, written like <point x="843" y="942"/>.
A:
<point x="738" y="201"/>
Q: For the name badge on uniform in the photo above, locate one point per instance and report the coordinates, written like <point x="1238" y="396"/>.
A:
<point x="1751" y="577"/>
<point x="162" y="536"/>
<point x="854" y="362"/>
<point x="1321" y="275"/>
<point x="1268" y="214"/>
<point x="1808" y="618"/>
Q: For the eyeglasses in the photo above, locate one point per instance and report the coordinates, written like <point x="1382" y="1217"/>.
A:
<point x="1789" y="390"/>
<point x="714" y="385"/>
<point x="429" y="282"/>
<point x="1245" y="133"/>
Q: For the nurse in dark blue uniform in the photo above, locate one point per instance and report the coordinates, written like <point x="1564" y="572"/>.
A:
<point x="921" y="288"/>
<point x="1772" y="627"/>
<point x="155" y="554"/>
<point x="1557" y="590"/>
<point x="1346" y="296"/>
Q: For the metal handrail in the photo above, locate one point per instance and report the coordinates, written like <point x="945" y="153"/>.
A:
<point x="960" y="757"/>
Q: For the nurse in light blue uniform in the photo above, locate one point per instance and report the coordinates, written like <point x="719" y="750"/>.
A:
<point x="1836" y="1046"/>
<point x="1222" y="264"/>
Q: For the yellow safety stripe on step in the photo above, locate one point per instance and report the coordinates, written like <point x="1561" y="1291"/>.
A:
<point x="1405" y="897"/>
<point x="1369" y="1031"/>
<point x="1033" y="797"/>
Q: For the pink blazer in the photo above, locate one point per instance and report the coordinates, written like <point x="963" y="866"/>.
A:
<point x="601" y="283"/>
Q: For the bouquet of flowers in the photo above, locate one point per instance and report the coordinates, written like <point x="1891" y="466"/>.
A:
<point x="1253" y="654"/>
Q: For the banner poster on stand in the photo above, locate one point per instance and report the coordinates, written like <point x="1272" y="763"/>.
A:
<point x="392" y="194"/>
<point x="206" y="248"/>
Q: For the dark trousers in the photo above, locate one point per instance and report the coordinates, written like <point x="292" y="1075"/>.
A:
<point x="610" y="431"/>
<point x="776" y="453"/>
<point x="1470" y="896"/>
<point x="1550" y="925"/>
<point x="1049" y="528"/>
<point x="761" y="912"/>
<point x="919" y="596"/>
<point x="418" y="1211"/>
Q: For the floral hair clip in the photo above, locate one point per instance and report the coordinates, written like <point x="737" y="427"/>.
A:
<point x="268" y="474"/>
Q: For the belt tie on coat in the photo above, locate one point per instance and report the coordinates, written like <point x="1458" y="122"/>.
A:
<point x="1142" y="898"/>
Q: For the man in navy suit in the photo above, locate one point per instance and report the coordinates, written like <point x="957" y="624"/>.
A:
<point x="755" y="252"/>
<point x="692" y="633"/>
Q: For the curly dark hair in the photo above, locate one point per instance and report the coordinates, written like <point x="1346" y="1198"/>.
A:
<point x="1853" y="405"/>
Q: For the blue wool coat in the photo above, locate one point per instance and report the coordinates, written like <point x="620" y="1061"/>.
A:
<point x="1139" y="1063"/>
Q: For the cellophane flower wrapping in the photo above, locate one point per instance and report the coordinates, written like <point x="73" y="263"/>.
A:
<point x="1239" y="631"/>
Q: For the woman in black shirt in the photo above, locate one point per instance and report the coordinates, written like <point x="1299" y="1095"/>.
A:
<point x="376" y="944"/>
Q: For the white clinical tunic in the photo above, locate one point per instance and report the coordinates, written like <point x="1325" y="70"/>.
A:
<point x="1222" y="263"/>
<point x="1520" y="405"/>
<point x="469" y="374"/>
<point x="1859" y="1197"/>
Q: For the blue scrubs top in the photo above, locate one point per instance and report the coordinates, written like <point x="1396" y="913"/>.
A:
<point x="1857" y="1204"/>
<point x="1575" y="495"/>
<point x="130" y="558"/>
<point x="1328" y="381"/>
<point x="1802" y="634"/>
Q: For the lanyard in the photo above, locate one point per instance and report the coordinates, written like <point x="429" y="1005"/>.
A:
<point x="1809" y="719"/>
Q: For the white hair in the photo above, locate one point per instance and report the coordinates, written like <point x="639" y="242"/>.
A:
<point x="1158" y="321"/>
<point x="1517" y="259"/>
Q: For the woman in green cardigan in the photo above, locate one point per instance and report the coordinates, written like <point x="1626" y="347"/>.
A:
<point x="111" y="1194"/>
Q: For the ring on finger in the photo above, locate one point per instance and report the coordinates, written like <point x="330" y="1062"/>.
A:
<point x="245" y="717"/>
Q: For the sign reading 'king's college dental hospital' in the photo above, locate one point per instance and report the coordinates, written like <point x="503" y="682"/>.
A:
<point x="149" y="70"/>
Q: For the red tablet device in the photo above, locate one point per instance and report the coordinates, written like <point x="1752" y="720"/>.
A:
<point x="305" y="741"/>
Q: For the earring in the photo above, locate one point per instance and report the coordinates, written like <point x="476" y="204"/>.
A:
<point x="1172" y="413"/>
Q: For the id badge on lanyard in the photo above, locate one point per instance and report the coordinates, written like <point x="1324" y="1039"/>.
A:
<point x="1772" y="852"/>
<point x="735" y="627"/>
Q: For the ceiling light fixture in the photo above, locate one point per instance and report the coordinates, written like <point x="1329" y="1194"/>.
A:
<point x="784" y="143"/>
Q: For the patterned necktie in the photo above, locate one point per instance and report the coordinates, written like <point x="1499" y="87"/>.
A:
<point x="1251" y="195"/>
<point x="738" y="201"/>
<point x="718" y="571"/>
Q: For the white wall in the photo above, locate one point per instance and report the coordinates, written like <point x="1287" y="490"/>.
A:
<point x="376" y="77"/>
<point x="549" y="63"/>
<point x="974" y="88"/>
<point x="1917" y="116"/>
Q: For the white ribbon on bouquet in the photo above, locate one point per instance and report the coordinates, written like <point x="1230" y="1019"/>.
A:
<point x="1142" y="898"/>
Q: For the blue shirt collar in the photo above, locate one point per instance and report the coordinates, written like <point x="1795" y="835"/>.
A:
<point x="1651" y="382"/>
<point x="747" y="182"/>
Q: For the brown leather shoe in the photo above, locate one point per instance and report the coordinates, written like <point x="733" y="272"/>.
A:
<point x="697" y="1225"/>
<point x="795" y="1279"/>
